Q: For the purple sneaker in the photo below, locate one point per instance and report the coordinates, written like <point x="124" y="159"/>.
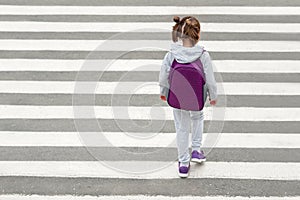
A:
<point x="198" y="157"/>
<point x="183" y="171"/>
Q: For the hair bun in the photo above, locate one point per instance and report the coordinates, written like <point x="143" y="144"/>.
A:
<point x="176" y="19"/>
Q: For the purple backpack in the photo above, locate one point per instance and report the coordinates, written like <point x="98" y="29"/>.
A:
<point x="187" y="82"/>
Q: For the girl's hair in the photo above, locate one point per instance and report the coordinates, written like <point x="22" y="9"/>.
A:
<point x="187" y="27"/>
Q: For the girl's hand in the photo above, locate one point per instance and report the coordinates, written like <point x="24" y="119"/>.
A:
<point x="163" y="98"/>
<point x="213" y="102"/>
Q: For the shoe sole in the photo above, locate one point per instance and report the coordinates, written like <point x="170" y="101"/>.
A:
<point x="198" y="160"/>
<point x="183" y="175"/>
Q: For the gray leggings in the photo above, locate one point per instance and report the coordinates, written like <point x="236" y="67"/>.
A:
<point x="183" y="121"/>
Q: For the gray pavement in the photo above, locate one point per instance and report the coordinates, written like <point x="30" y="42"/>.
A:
<point x="148" y="36"/>
<point x="157" y="18"/>
<point x="158" y="55"/>
<point x="174" y="187"/>
<point x="108" y="125"/>
<point x="45" y="153"/>
<point x="140" y="76"/>
<point x="154" y="2"/>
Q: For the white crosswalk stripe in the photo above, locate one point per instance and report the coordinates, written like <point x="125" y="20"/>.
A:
<point x="266" y="171"/>
<point x="119" y="139"/>
<point x="148" y="10"/>
<point x="147" y="45"/>
<point x="142" y="27"/>
<point x="229" y="66"/>
<point x="146" y="113"/>
<point x="50" y="151"/>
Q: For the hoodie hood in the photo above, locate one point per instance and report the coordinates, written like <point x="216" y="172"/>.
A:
<point x="186" y="54"/>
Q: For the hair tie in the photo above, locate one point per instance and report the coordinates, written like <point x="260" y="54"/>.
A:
<point x="188" y="21"/>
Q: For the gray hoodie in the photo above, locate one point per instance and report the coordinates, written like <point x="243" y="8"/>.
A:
<point x="186" y="55"/>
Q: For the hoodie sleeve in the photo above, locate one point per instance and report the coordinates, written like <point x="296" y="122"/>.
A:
<point x="164" y="74"/>
<point x="209" y="76"/>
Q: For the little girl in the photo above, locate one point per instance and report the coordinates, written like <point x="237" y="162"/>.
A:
<point x="188" y="31"/>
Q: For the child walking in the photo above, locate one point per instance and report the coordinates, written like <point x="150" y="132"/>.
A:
<point x="189" y="114"/>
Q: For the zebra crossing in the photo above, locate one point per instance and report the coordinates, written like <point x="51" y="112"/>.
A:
<point x="81" y="116"/>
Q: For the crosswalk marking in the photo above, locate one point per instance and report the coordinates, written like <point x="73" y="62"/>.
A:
<point x="145" y="113"/>
<point x="236" y="170"/>
<point x="153" y="45"/>
<point x="120" y="139"/>
<point x="226" y="66"/>
<point x="148" y="27"/>
<point x="148" y="10"/>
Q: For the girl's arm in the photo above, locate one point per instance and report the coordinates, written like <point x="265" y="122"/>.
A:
<point x="210" y="78"/>
<point x="164" y="76"/>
